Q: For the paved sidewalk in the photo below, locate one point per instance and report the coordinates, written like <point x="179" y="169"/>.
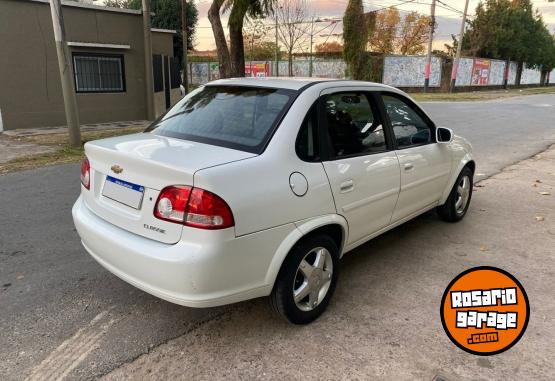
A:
<point x="383" y="322"/>
<point x="84" y="128"/>
<point x="13" y="144"/>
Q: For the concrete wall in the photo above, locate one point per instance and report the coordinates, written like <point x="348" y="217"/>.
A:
<point x="464" y="73"/>
<point x="30" y="91"/>
<point x="321" y="68"/>
<point x="408" y="71"/>
<point x="513" y="68"/>
<point x="398" y="71"/>
<point x="497" y="73"/>
<point x="530" y="76"/>
<point x="162" y="43"/>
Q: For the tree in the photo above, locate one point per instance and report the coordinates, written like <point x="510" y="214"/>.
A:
<point x="232" y="58"/>
<point x="239" y="9"/>
<point x="329" y="47"/>
<point x="222" y="49"/>
<point x="513" y="31"/>
<point x="382" y="40"/>
<point x="393" y="34"/>
<point x="356" y="27"/>
<point x="507" y="29"/>
<point x="293" y="28"/>
<point x="413" y="34"/>
<point x="167" y="15"/>
<point x="257" y="47"/>
<point x="451" y="50"/>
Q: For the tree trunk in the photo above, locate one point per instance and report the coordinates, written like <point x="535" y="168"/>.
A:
<point x="236" y="21"/>
<point x="290" y="60"/>
<point x="219" y="37"/>
<point x="519" y="74"/>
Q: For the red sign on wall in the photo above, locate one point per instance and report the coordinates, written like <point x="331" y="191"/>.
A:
<point x="258" y="70"/>
<point x="480" y="72"/>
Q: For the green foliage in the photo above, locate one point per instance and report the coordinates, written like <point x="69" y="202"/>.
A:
<point x="355" y="36"/>
<point x="261" y="51"/>
<point x="167" y="15"/>
<point x="510" y="29"/>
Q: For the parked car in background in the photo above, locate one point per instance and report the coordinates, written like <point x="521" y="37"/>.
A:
<point x="257" y="187"/>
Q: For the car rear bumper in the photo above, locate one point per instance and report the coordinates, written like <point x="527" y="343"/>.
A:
<point x="204" y="269"/>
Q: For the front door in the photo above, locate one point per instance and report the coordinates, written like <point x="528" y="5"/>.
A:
<point x="362" y="168"/>
<point x="425" y="164"/>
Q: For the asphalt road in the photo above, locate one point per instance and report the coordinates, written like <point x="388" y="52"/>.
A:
<point x="502" y="132"/>
<point x="61" y="314"/>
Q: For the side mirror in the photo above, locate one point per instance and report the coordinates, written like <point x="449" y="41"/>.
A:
<point x="444" y="135"/>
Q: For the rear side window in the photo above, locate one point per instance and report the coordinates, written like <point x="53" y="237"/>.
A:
<point x="353" y="125"/>
<point x="409" y="128"/>
<point x="307" y="145"/>
<point x="236" y="117"/>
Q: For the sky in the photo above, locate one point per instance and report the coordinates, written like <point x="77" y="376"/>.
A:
<point x="448" y="20"/>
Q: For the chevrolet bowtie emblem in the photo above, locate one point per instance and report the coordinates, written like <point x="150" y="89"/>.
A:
<point x="117" y="169"/>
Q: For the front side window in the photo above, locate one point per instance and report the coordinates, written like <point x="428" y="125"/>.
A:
<point x="238" y="117"/>
<point x="409" y="128"/>
<point x="98" y="73"/>
<point x="353" y="125"/>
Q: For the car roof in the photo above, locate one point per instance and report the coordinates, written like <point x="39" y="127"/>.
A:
<point x="291" y="83"/>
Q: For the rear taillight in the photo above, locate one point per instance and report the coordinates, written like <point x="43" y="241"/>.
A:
<point x="172" y="204"/>
<point x="193" y="207"/>
<point x="208" y="211"/>
<point x="86" y="173"/>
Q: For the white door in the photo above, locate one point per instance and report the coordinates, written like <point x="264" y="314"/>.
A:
<point x="362" y="168"/>
<point x="425" y="165"/>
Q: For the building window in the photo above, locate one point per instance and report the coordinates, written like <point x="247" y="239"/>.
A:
<point x="95" y="73"/>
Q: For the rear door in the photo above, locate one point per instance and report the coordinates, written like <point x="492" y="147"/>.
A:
<point x="425" y="164"/>
<point x="361" y="165"/>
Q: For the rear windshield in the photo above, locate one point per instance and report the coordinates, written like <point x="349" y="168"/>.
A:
<point x="242" y="118"/>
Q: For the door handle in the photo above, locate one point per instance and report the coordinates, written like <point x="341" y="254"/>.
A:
<point x="347" y="186"/>
<point x="409" y="166"/>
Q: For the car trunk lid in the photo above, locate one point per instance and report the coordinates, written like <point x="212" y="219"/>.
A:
<point x="128" y="173"/>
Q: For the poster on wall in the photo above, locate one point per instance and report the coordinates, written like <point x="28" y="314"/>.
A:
<point x="214" y="71"/>
<point x="258" y="70"/>
<point x="480" y="72"/>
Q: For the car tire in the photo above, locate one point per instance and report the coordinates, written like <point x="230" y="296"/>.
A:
<point x="452" y="210"/>
<point x="311" y="265"/>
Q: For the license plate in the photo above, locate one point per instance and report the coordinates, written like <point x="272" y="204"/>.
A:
<point x="121" y="191"/>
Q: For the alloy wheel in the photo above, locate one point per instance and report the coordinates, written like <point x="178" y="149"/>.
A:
<point x="463" y="194"/>
<point x="313" y="279"/>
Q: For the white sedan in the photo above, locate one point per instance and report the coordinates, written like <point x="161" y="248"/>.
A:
<point x="256" y="187"/>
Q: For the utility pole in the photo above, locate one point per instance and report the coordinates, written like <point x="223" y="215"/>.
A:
<point x="277" y="47"/>
<point x="149" y="77"/>
<point x="66" y="74"/>
<point x="457" y="61"/>
<point x="311" y="65"/>
<point x="185" y="35"/>
<point x="428" y="68"/>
